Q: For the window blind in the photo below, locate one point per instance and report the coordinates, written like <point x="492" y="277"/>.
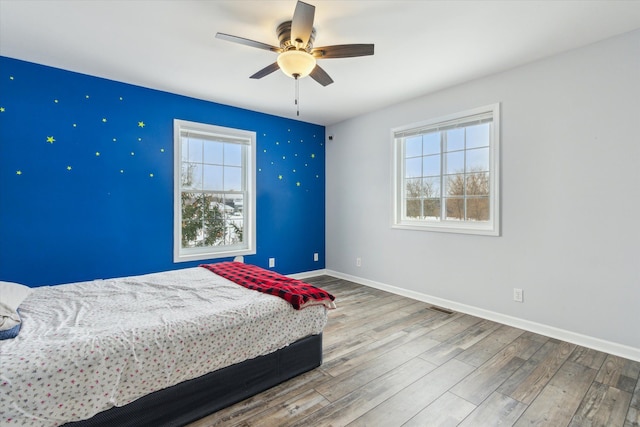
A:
<point x="444" y="126"/>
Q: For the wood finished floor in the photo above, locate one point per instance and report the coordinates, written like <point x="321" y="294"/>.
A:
<point x="393" y="361"/>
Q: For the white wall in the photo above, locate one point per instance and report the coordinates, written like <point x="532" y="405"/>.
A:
<point x="570" y="200"/>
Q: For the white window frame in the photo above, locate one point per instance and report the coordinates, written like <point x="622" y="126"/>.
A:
<point x="465" y="118"/>
<point x="246" y="138"/>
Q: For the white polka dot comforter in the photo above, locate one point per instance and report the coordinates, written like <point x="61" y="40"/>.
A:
<point x="88" y="346"/>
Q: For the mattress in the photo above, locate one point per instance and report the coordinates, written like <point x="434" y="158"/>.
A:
<point x="89" y="346"/>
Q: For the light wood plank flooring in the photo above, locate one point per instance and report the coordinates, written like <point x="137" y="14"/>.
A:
<point x="393" y="361"/>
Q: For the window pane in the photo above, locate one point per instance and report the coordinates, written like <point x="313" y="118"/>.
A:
<point x="454" y="208"/>
<point x="233" y="154"/>
<point x="413" y="146"/>
<point x="432" y="208"/>
<point x="413" y="167"/>
<point x="213" y="152"/>
<point x="478" y="184"/>
<point x="455" y="185"/>
<point x="190" y="233"/>
<point x="195" y="150"/>
<point x="478" y="209"/>
<point x="413" y="187"/>
<point x="431" y="143"/>
<point x="431" y="165"/>
<point x="455" y="139"/>
<point x="235" y="230"/>
<point x="431" y="187"/>
<point x="454" y="162"/>
<point x="191" y="176"/>
<point x="213" y="221"/>
<point x="237" y="203"/>
<point x="478" y="160"/>
<point x="184" y="150"/>
<point x="212" y="177"/>
<point x="232" y="179"/>
<point x="191" y="219"/>
<point x="412" y="207"/>
<point x="478" y="135"/>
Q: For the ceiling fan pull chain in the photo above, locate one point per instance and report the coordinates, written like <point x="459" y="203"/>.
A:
<point x="297" y="94"/>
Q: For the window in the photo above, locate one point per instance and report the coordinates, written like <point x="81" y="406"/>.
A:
<point x="446" y="173"/>
<point x="214" y="191"/>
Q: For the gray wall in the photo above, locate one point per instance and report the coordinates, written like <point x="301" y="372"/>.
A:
<point x="570" y="198"/>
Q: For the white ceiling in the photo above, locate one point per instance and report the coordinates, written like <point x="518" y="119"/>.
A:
<point x="420" y="46"/>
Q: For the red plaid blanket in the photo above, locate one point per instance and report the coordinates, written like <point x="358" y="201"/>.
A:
<point x="297" y="293"/>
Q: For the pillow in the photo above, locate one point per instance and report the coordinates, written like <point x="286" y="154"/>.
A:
<point x="11" y="296"/>
<point x="10" y="333"/>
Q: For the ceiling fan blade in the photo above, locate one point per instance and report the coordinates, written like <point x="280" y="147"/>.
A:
<point x="266" y="71"/>
<point x="342" y="51"/>
<point x="321" y="76"/>
<point x="247" y="42"/>
<point x="302" y="24"/>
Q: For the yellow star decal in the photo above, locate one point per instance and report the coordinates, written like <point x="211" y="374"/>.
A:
<point x="298" y="184"/>
<point x="279" y="176"/>
<point x="51" y="139"/>
<point x="104" y="120"/>
<point x="68" y="168"/>
<point x="18" y="172"/>
<point x="140" y="124"/>
<point x="313" y="156"/>
<point x="97" y="153"/>
<point x="151" y="175"/>
<point x="1" y="109"/>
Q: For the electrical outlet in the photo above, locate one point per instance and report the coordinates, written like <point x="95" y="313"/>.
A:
<point x="272" y="262"/>
<point x="358" y="262"/>
<point x="315" y="256"/>
<point x="518" y="295"/>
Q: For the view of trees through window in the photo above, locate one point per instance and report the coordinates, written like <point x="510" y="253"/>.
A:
<point x="446" y="174"/>
<point x="211" y="193"/>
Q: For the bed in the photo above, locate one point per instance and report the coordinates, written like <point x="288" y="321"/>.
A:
<point x="161" y="349"/>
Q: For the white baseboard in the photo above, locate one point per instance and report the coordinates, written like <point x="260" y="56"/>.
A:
<point x="549" y="331"/>
<point x="307" y="274"/>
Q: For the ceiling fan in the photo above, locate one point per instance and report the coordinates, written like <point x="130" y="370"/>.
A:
<point x="297" y="56"/>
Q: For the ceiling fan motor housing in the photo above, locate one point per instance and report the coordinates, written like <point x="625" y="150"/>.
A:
<point x="284" y="36"/>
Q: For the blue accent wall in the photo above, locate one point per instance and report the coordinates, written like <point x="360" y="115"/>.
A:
<point x="86" y="178"/>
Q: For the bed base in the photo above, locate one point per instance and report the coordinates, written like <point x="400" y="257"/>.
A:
<point x="194" y="399"/>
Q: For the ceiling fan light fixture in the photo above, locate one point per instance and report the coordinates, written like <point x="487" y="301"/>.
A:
<point x="296" y="63"/>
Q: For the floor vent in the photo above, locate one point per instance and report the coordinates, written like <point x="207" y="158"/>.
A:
<point x="440" y="309"/>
